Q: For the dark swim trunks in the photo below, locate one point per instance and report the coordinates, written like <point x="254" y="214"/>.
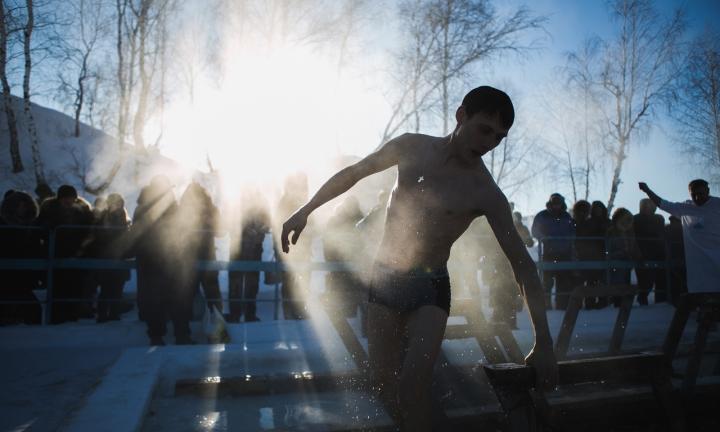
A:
<point x="408" y="291"/>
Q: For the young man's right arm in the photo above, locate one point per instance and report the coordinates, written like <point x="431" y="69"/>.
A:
<point x="385" y="157"/>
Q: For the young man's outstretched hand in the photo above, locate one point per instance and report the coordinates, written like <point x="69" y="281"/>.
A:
<point x="295" y="224"/>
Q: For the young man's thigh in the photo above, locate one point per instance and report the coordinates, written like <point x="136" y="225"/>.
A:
<point x="426" y="329"/>
<point x="387" y="338"/>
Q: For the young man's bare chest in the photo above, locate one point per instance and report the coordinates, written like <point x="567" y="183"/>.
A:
<point x="437" y="187"/>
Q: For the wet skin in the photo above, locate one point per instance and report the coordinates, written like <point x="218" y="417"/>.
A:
<point x="442" y="186"/>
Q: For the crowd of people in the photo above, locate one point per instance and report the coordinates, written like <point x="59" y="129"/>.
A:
<point x="588" y="233"/>
<point x="168" y="236"/>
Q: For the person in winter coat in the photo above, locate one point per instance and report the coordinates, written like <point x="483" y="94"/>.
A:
<point x="163" y="289"/>
<point x="550" y="223"/>
<point x="341" y="243"/>
<point x="622" y="246"/>
<point x="71" y="218"/>
<point x="676" y="249"/>
<point x="18" y="240"/>
<point x="109" y="242"/>
<point x="295" y="284"/>
<point x="650" y="234"/>
<point x="199" y="221"/>
<point x="244" y="285"/>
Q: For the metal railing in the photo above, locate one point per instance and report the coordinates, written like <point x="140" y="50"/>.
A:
<point x="49" y="262"/>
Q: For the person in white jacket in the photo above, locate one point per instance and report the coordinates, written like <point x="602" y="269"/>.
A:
<point x="700" y="219"/>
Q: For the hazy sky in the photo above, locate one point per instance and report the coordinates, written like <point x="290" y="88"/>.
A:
<point x="347" y="115"/>
<point x="657" y="160"/>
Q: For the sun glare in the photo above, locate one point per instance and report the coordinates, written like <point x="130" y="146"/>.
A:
<point x="274" y="112"/>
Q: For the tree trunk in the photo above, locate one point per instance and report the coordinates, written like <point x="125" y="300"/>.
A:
<point x="617" y="170"/>
<point x="445" y="68"/>
<point x="32" y="129"/>
<point x="16" y="159"/>
<point x="141" y="112"/>
<point x="80" y="94"/>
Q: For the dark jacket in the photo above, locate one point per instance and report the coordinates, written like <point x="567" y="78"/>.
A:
<point x="69" y="241"/>
<point x="545" y="225"/>
<point x="650" y="233"/>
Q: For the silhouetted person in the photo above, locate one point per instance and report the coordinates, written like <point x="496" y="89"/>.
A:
<point x="110" y="241"/>
<point x="584" y="248"/>
<point x="18" y="212"/>
<point x="371" y="225"/>
<point x="371" y="228"/>
<point x="552" y="222"/>
<point x="199" y="220"/>
<point x="595" y="250"/>
<point x="676" y="249"/>
<point x="498" y="276"/>
<point x="700" y="218"/>
<point x="341" y="243"/>
<point x="442" y="186"/>
<point x="295" y="284"/>
<point x="163" y="289"/>
<point x="522" y="230"/>
<point x="621" y="247"/>
<point x="43" y="191"/>
<point x="650" y="234"/>
<point x="248" y="246"/>
<point x="56" y="213"/>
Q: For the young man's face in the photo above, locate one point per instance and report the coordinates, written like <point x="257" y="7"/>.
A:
<point x="478" y="134"/>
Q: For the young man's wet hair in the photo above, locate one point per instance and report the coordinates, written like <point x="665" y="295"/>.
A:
<point x="490" y="101"/>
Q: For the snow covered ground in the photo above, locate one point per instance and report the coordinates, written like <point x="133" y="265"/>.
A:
<point x="49" y="372"/>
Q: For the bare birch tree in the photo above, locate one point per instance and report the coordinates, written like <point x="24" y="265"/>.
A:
<point x="455" y="36"/>
<point x="636" y="74"/>
<point x="38" y="165"/>
<point x="88" y="21"/>
<point x="697" y="103"/>
<point x="7" y="27"/>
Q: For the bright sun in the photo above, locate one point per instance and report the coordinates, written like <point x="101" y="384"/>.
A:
<point x="273" y="113"/>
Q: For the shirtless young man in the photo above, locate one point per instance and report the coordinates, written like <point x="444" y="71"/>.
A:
<point x="442" y="186"/>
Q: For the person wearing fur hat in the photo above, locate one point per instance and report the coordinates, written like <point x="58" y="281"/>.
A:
<point x="155" y="243"/>
<point x="553" y="222"/>
<point x="18" y="212"/>
<point x="112" y="225"/>
<point x="56" y="213"/>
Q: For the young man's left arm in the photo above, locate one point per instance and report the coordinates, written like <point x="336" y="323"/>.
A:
<point x="542" y="356"/>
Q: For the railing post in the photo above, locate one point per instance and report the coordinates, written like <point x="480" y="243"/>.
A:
<point x="607" y="264"/>
<point x="668" y="269"/>
<point x="50" y="271"/>
<point x="276" y="314"/>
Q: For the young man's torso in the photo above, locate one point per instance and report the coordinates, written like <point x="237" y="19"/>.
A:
<point x="434" y="200"/>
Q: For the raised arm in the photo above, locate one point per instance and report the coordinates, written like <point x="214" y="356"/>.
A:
<point x="675" y="209"/>
<point x="542" y="356"/>
<point x="385" y="157"/>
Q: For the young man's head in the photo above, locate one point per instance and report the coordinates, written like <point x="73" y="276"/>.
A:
<point x="699" y="191"/>
<point x="483" y="120"/>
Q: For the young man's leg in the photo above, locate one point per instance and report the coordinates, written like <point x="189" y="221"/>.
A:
<point x="386" y="350"/>
<point x="426" y="328"/>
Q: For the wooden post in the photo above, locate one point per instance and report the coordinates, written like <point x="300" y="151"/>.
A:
<point x="512" y="384"/>
<point x="568" y="326"/>
<point x="621" y="324"/>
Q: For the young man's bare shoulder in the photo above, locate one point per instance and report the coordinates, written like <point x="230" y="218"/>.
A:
<point x="406" y="146"/>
